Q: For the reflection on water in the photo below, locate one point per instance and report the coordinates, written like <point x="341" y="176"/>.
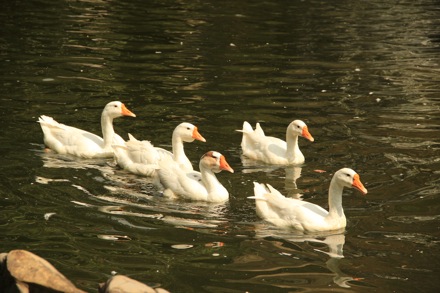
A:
<point x="55" y="161"/>
<point x="291" y="174"/>
<point x="333" y="242"/>
<point x="289" y="262"/>
<point x="177" y="214"/>
<point x="129" y="191"/>
<point x="364" y="75"/>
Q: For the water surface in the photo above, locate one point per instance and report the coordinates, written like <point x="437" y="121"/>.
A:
<point x="364" y="76"/>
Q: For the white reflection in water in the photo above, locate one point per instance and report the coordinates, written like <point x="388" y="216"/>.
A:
<point x="292" y="174"/>
<point x="121" y="210"/>
<point x="252" y="166"/>
<point x="333" y="240"/>
<point x="417" y="238"/>
<point x="55" y="161"/>
<point x="414" y="219"/>
<point x="44" y="180"/>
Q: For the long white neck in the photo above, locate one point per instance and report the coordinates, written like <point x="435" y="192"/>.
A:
<point x="107" y="130"/>
<point x="179" y="152"/>
<point x="335" y="200"/>
<point x="216" y="191"/>
<point x="293" y="153"/>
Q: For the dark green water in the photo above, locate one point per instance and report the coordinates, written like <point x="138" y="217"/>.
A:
<point x="363" y="75"/>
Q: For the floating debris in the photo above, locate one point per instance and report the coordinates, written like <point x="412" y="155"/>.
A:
<point x="182" y="246"/>
<point x="43" y="180"/>
<point x="215" y="244"/>
<point x="114" y="237"/>
<point x="48" y="215"/>
<point x="81" y="203"/>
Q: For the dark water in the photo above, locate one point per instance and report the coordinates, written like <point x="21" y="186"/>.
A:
<point x="363" y="75"/>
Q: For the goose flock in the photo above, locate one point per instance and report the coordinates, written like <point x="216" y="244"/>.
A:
<point x="175" y="175"/>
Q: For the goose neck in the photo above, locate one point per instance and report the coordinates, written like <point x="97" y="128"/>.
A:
<point x="107" y="130"/>
<point x="177" y="146"/>
<point x="335" y="199"/>
<point x="208" y="178"/>
<point x="216" y="191"/>
<point x="293" y="150"/>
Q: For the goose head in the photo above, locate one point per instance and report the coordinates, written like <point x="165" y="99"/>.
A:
<point x="299" y="128"/>
<point x="215" y="161"/>
<point x="349" y="178"/>
<point x="116" y="109"/>
<point x="188" y="132"/>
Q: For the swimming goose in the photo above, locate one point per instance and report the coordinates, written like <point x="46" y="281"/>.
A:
<point x="301" y="215"/>
<point x="142" y="158"/>
<point x="201" y="186"/>
<point x="257" y="146"/>
<point x="65" y="139"/>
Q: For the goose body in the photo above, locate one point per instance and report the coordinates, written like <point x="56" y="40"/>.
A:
<point x="65" y="139"/>
<point x="199" y="186"/>
<point x="271" y="150"/>
<point x="142" y="158"/>
<point x="301" y="215"/>
<point x="137" y="157"/>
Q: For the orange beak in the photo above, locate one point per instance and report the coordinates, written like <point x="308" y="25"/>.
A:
<point x="126" y="112"/>
<point x="224" y="165"/>
<point x="358" y="184"/>
<point x="306" y="134"/>
<point x="197" y="135"/>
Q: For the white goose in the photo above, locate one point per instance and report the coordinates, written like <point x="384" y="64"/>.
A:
<point x="201" y="186"/>
<point x="142" y="158"/>
<point x="257" y="146"/>
<point x="65" y="139"/>
<point x="275" y="208"/>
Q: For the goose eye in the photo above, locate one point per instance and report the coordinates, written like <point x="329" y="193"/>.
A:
<point x="115" y="106"/>
<point x="188" y="128"/>
<point x="348" y="175"/>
